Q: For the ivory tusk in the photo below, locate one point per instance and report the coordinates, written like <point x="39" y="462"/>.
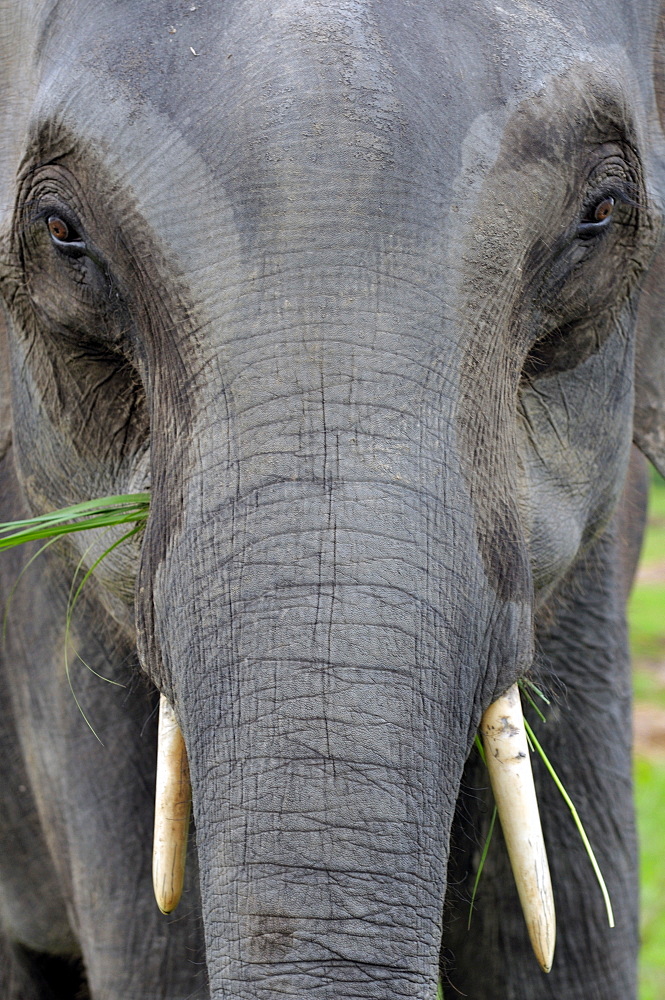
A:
<point x="509" y="766"/>
<point x="173" y="797"/>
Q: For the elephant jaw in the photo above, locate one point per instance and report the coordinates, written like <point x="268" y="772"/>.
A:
<point x="509" y="767"/>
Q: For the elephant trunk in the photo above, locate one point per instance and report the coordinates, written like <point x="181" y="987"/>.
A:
<point x="320" y="647"/>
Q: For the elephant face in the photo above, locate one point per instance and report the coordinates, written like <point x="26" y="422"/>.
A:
<point x="354" y="292"/>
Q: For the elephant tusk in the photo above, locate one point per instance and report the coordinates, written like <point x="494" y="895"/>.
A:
<point x="173" y="798"/>
<point x="509" y="767"/>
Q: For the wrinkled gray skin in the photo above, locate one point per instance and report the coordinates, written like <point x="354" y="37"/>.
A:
<point x="334" y="304"/>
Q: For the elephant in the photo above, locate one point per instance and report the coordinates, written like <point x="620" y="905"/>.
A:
<point x="368" y="295"/>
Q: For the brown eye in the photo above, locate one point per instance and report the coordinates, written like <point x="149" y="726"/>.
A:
<point x="65" y="236"/>
<point x="59" y="229"/>
<point x="597" y="219"/>
<point x="603" y="210"/>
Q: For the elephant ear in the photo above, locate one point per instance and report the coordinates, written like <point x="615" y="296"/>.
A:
<point x="649" y="420"/>
<point x="5" y="397"/>
<point x="21" y="27"/>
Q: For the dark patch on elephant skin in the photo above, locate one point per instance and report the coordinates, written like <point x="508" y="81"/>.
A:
<point x="502" y="547"/>
<point x="271" y="938"/>
<point x="484" y="422"/>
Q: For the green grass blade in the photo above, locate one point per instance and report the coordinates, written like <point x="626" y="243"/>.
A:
<point x="480" y="748"/>
<point x="481" y="865"/>
<point x="104" y="512"/>
<point x="105" y="520"/>
<point x="77" y="702"/>
<point x="87" y="507"/>
<point x="73" y="598"/>
<point x="70" y="611"/>
<point x="578" y="823"/>
<point x="439" y="990"/>
<point x="525" y="682"/>
<point x="525" y="692"/>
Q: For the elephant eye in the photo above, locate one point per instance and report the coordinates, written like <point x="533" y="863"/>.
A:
<point x="64" y="235"/>
<point x="597" y="218"/>
<point x="603" y="210"/>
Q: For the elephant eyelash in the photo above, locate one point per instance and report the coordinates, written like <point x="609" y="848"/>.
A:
<point x="33" y="212"/>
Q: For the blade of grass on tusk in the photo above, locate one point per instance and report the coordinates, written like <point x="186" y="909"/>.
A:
<point x="173" y="797"/>
<point x="509" y="767"/>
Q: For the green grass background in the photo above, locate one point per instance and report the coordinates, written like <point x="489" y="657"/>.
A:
<point x="647" y="625"/>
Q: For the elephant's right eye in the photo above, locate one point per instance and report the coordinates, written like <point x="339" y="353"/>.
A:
<point x="64" y="235"/>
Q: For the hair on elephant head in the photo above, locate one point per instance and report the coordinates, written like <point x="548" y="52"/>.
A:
<point x="369" y="297"/>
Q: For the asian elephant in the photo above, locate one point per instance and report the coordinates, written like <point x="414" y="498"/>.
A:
<point x="367" y="294"/>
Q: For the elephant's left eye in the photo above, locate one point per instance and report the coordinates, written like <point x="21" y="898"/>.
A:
<point x="597" y="218"/>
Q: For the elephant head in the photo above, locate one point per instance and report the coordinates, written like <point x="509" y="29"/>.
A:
<point x="354" y="290"/>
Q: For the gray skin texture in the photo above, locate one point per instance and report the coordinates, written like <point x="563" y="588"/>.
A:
<point x="334" y="290"/>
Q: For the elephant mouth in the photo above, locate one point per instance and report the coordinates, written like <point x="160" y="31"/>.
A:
<point x="509" y="766"/>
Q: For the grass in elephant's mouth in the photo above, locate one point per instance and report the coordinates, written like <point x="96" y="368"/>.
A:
<point x="103" y="513"/>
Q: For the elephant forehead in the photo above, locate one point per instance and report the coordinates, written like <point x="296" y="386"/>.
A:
<point x="358" y="60"/>
<point x="346" y="84"/>
<point x="297" y="147"/>
<point x="299" y="123"/>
